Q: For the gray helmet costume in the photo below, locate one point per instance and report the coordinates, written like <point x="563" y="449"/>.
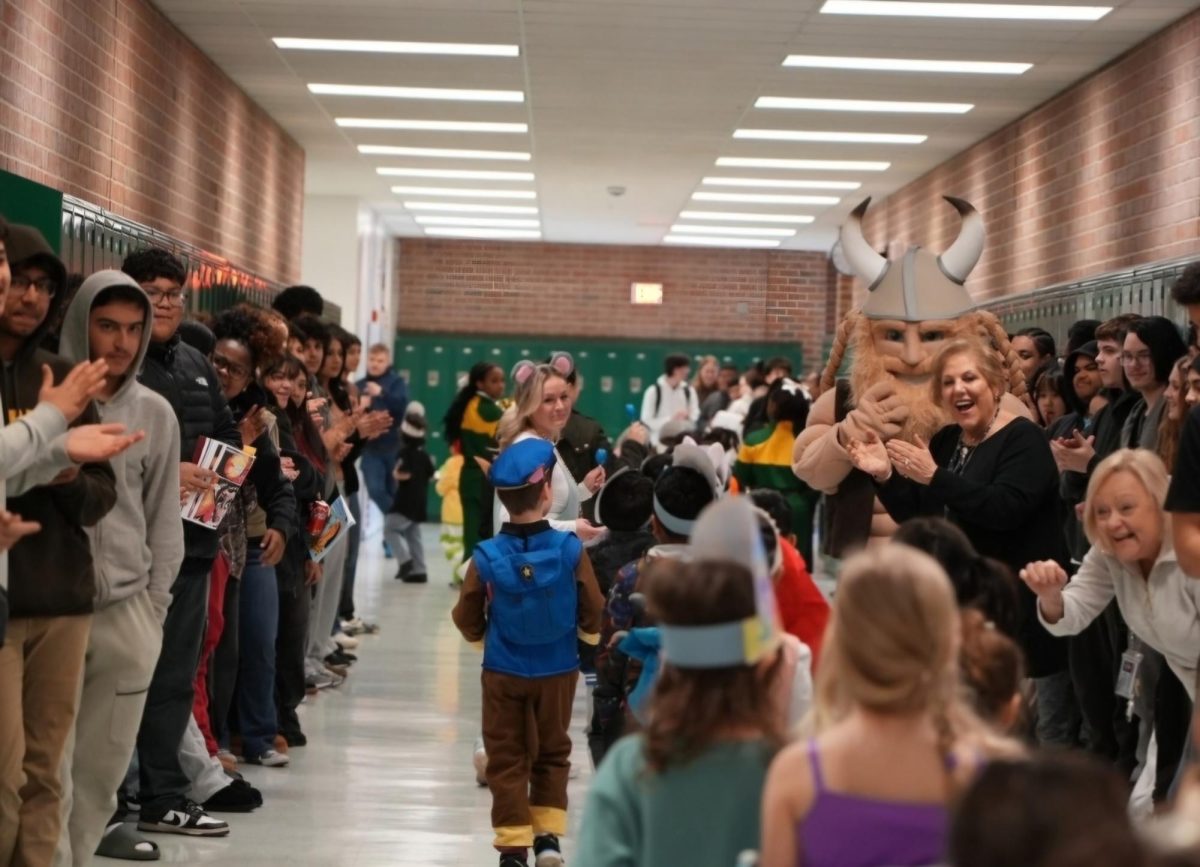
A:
<point x="920" y="286"/>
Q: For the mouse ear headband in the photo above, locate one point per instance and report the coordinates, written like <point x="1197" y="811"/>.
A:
<point x="562" y="362"/>
<point x="522" y="371"/>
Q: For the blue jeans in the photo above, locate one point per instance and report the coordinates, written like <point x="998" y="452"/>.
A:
<point x="1057" y="711"/>
<point x="377" y="467"/>
<point x="257" y="627"/>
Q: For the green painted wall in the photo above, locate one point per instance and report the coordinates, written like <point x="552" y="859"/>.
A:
<point x="23" y="201"/>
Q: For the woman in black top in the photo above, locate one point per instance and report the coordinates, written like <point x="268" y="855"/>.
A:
<point x="990" y="472"/>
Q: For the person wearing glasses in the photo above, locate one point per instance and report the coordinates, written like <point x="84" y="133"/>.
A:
<point x="1152" y="345"/>
<point x="188" y="381"/>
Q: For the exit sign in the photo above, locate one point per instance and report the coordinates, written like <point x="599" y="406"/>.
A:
<point x="646" y="293"/>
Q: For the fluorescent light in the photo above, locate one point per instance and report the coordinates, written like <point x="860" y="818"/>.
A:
<point x="803" y="165"/>
<point x="479" y="222"/>
<point x="966" y="10"/>
<point x="418" y="92"/>
<point x="781" y="183"/>
<point x="731" y="230"/>
<point x="462" y="193"/>
<point x="738" y="217"/>
<point x="455" y="174"/>
<point x="845" y="137"/>
<point x="456" y="208"/>
<point x="496" y="234"/>
<point x="891" y="64"/>
<point x="765" y="199"/>
<point x="444" y="153"/>
<point x="705" y="241"/>
<point x="431" y="125"/>
<point x="378" y="47"/>
<point x="871" y="105"/>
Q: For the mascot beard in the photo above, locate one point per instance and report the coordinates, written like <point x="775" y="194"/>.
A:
<point x="871" y="367"/>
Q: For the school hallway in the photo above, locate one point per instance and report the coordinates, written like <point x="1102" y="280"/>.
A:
<point x="386" y="779"/>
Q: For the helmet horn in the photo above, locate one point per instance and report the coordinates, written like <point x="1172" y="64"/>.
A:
<point x="963" y="255"/>
<point x="867" y="264"/>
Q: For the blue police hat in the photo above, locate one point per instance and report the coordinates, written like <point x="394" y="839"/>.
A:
<point x="523" y="463"/>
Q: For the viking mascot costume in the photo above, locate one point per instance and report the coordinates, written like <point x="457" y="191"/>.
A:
<point x="914" y="306"/>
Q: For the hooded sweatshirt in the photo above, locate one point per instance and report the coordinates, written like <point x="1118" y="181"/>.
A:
<point x="64" y="509"/>
<point x="139" y="544"/>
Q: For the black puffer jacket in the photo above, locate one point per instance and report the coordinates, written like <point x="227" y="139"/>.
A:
<point x="184" y="377"/>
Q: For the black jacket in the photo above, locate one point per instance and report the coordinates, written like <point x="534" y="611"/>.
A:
<point x="412" y="494"/>
<point x="272" y="491"/>
<point x="184" y="377"/>
<point x="581" y="437"/>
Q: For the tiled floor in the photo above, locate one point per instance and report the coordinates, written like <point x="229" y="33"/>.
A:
<point x="386" y="778"/>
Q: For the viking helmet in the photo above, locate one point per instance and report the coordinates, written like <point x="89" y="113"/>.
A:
<point x="920" y="286"/>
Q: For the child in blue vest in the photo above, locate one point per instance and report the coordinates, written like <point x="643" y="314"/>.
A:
<point x="529" y="593"/>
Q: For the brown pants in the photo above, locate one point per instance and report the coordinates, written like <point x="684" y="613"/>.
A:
<point x="525" y="732"/>
<point x="41" y="664"/>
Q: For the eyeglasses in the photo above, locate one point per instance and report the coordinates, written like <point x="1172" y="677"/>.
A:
<point x="176" y="298"/>
<point x="20" y="285"/>
<point x="220" y="362"/>
<point x="1131" y="358"/>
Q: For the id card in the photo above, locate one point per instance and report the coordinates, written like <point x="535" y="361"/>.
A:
<point x="1131" y="661"/>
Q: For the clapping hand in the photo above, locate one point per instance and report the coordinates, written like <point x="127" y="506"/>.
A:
<point x="98" y="442"/>
<point x="1073" y="454"/>
<point x="13" y="529"/>
<point x="252" y="425"/>
<point x="913" y="461"/>
<point x="75" y="392"/>
<point x="871" y="456"/>
<point x="594" y="480"/>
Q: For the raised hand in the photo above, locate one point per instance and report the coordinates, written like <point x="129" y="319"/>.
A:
<point x="98" y="442"/>
<point x="871" y="456"/>
<point x="1073" y="454"/>
<point x="252" y="425"/>
<point x="594" y="480"/>
<point x="586" y="530"/>
<point x="72" y="395"/>
<point x="1047" y="580"/>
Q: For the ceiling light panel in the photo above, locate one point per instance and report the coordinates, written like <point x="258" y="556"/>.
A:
<point x="1019" y="12"/>
<point x="444" y="153"/>
<point x="479" y="222"/>
<point x="715" y="241"/>
<point x="372" y="46"/>
<point x="488" y="234"/>
<point x="740" y="217"/>
<point x="732" y="231"/>
<point x="430" y="125"/>
<point x="781" y="183"/>
<point x="449" y="93"/>
<point x="456" y="208"/>
<point x="875" y="106"/>
<point x="765" y="198"/>
<point x="454" y="174"/>
<point x="842" y="137"/>
<point x="803" y="165"/>
<point x="462" y="193"/>
<point x="891" y="64"/>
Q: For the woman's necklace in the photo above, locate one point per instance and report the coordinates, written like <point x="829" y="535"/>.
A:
<point x="963" y="451"/>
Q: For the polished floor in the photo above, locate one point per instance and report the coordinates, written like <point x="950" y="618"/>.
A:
<point x="386" y="777"/>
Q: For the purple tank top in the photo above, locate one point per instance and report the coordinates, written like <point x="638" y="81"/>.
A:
<point x="849" y="831"/>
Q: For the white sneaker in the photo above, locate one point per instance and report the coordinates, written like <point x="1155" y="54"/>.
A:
<point x="479" y="760"/>
<point x="345" y="642"/>
<point x="270" y="759"/>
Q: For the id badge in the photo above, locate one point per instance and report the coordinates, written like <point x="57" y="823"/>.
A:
<point x="1131" y="661"/>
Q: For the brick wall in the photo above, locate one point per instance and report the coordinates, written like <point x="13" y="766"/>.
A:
<point x="107" y="101"/>
<point x="583" y="290"/>
<point x="1104" y="176"/>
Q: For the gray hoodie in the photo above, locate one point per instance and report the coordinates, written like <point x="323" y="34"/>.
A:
<point x="139" y="544"/>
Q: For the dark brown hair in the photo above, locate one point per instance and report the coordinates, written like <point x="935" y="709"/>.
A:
<point x="991" y="665"/>
<point x="518" y="500"/>
<point x="1116" y="328"/>
<point x="691" y="708"/>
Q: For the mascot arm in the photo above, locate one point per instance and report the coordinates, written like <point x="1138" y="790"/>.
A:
<point x="817" y="457"/>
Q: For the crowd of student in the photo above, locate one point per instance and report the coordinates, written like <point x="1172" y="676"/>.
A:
<point x="145" y="656"/>
<point x="1037" y="594"/>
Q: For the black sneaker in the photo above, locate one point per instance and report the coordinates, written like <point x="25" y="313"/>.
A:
<point x="188" y="818"/>
<point x="296" y="738"/>
<point x="404" y="570"/>
<point x="546" y="851"/>
<point x="511" y="860"/>
<point x="238" y="797"/>
<point x="415" y="578"/>
<point x="340" y="658"/>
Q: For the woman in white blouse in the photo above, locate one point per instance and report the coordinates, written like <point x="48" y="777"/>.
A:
<point x="1133" y="559"/>
<point x="541" y="407"/>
